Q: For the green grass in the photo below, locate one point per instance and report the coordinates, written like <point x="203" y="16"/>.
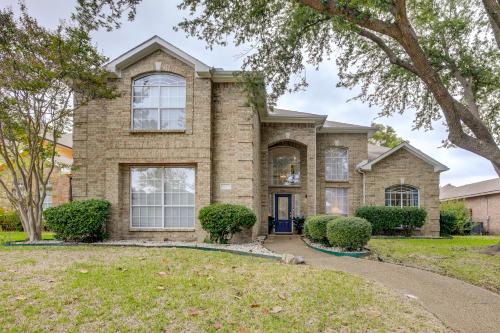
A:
<point x="120" y="289"/>
<point x="458" y="257"/>
<point x="17" y="236"/>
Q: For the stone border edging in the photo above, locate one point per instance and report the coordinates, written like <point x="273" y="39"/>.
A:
<point x="243" y="253"/>
<point x="355" y="254"/>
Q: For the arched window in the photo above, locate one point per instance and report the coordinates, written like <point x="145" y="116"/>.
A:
<point x="159" y="102"/>
<point x="336" y="164"/>
<point x="284" y="166"/>
<point x="401" y="195"/>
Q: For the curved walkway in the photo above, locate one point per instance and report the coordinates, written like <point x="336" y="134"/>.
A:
<point x="461" y="306"/>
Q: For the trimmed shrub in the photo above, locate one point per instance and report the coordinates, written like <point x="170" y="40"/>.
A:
<point x="462" y="224"/>
<point x="315" y="227"/>
<point x="413" y="217"/>
<point x="349" y="233"/>
<point x="79" y="221"/>
<point x="10" y="221"/>
<point x="222" y="220"/>
<point x="387" y="220"/>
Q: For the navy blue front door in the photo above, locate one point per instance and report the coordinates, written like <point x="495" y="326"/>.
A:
<point x="283" y="213"/>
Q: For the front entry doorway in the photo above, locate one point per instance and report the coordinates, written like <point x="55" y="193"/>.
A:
<point x="283" y="213"/>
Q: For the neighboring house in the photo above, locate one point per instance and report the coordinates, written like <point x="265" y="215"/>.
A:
<point x="182" y="135"/>
<point x="481" y="198"/>
<point x="59" y="187"/>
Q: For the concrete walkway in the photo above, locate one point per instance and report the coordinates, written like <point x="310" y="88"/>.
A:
<point x="461" y="306"/>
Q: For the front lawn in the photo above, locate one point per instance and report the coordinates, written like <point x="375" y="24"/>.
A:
<point x="85" y="288"/>
<point x="16" y="236"/>
<point x="458" y="257"/>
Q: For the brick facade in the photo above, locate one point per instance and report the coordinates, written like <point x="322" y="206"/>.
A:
<point x="486" y="209"/>
<point x="357" y="150"/>
<point x="228" y="144"/>
<point x="403" y="167"/>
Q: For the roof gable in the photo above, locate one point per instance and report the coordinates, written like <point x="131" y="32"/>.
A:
<point x="438" y="167"/>
<point x="146" y="48"/>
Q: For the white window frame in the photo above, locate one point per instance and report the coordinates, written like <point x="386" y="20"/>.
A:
<point x="346" y="196"/>
<point x="159" y="108"/>
<point x="401" y="195"/>
<point x="336" y="158"/>
<point x="163" y="206"/>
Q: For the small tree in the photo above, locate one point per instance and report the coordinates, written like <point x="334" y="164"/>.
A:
<point x="41" y="72"/>
<point x="385" y="136"/>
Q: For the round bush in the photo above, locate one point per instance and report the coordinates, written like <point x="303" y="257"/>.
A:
<point x="10" y="221"/>
<point x="315" y="227"/>
<point x="79" y="221"/>
<point x="349" y="233"/>
<point x="222" y="221"/>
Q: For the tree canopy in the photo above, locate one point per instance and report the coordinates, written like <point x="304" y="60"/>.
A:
<point x="41" y="72"/>
<point x="385" y="136"/>
<point x="438" y="58"/>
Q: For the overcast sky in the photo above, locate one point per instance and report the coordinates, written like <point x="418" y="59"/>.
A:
<point x="157" y="17"/>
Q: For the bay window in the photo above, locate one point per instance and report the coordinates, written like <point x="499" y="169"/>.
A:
<point x="163" y="198"/>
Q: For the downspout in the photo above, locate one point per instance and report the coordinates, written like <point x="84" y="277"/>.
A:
<point x="364" y="186"/>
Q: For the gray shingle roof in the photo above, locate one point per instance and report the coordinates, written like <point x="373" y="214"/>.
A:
<point x="375" y="151"/>
<point x="337" y="124"/>
<point x="289" y="113"/>
<point x="450" y="192"/>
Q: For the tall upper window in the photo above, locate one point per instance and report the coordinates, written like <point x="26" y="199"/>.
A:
<point x="159" y="102"/>
<point x="285" y="166"/>
<point x="401" y="195"/>
<point x="163" y="198"/>
<point x="336" y="164"/>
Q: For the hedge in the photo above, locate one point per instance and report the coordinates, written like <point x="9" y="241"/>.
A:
<point x="387" y="220"/>
<point x="447" y="223"/>
<point x="79" y="221"/>
<point x="461" y="216"/>
<point x="10" y="221"/>
<point x="349" y="233"/>
<point x="223" y="220"/>
<point x="315" y="227"/>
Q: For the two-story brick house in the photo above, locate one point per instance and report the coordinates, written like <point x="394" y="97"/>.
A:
<point x="182" y="135"/>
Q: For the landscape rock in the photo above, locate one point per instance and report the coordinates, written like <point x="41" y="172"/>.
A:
<point x="290" y="259"/>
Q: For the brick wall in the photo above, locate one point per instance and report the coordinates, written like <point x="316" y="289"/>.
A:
<point x="404" y="167"/>
<point x="235" y="163"/>
<point x="60" y="184"/>
<point x="486" y="209"/>
<point x="105" y="147"/>
<point x="302" y="136"/>
<point x="357" y="148"/>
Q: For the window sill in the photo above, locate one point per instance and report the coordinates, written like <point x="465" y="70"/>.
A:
<point x="337" y="181"/>
<point x="161" y="229"/>
<point x="157" y="131"/>
<point x="286" y="186"/>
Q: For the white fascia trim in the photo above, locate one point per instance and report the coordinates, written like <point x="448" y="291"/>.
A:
<point x="438" y="167"/>
<point x="153" y="44"/>
<point x="298" y="120"/>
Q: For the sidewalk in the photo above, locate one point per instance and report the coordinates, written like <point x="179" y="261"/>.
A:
<point x="461" y="306"/>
